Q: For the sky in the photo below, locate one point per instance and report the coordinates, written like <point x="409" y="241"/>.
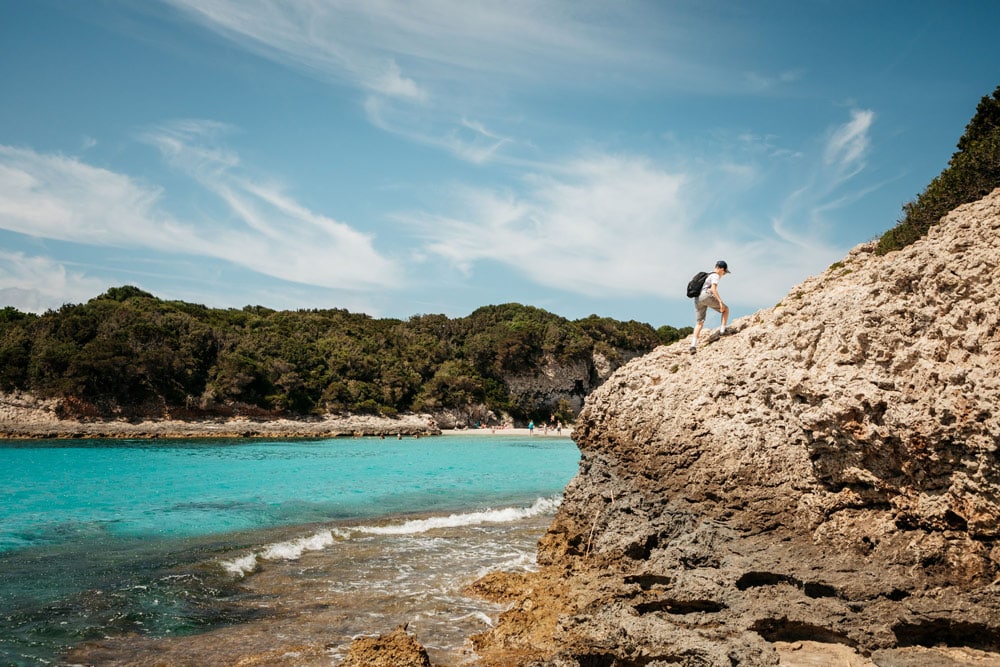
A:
<point x="434" y="156"/>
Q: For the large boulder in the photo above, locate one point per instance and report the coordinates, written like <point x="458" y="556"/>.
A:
<point x="824" y="479"/>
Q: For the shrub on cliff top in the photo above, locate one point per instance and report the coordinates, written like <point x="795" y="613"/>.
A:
<point x="972" y="173"/>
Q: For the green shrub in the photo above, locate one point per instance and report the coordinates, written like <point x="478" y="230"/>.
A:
<point x="972" y="173"/>
<point x="129" y="348"/>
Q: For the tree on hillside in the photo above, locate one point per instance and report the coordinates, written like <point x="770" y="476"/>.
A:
<point x="127" y="353"/>
<point x="972" y="173"/>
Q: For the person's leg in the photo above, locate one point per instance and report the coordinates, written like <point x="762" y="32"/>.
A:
<point x="700" y="310"/>
<point x="725" y="319"/>
<point x="697" y="330"/>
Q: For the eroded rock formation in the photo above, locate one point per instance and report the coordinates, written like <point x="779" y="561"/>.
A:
<point x="820" y="487"/>
<point x="396" y="649"/>
<point x="554" y="383"/>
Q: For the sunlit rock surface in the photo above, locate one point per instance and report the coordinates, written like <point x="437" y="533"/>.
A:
<point x="821" y="486"/>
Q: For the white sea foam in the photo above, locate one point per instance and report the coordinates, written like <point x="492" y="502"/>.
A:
<point x="503" y="515"/>
<point x="242" y="566"/>
<point x="293" y="549"/>
<point x="323" y="539"/>
<point x="524" y="562"/>
<point x="478" y="615"/>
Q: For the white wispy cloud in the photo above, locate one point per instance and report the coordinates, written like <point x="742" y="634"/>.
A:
<point x="845" y="155"/>
<point x="627" y="225"/>
<point x="36" y="284"/>
<point x="432" y="70"/>
<point x="823" y="187"/>
<point x="599" y="226"/>
<point x="277" y="234"/>
<point x="59" y="197"/>
<point x="441" y="41"/>
<point x="62" y="198"/>
<point x="334" y="41"/>
<point x="467" y="140"/>
<point x="848" y="144"/>
<point x="391" y="82"/>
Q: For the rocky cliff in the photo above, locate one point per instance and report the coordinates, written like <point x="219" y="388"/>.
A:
<point x="820" y="487"/>
<point x="555" y="385"/>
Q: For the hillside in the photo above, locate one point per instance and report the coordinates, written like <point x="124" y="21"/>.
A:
<point x="127" y="355"/>
<point x="821" y="487"/>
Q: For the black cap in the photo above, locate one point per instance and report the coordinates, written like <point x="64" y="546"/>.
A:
<point x="721" y="264"/>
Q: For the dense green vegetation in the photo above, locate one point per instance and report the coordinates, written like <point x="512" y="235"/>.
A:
<point x="127" y="352"/>
<point x="972" y="173"/>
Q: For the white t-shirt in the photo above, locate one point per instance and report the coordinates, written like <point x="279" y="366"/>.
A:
<point x="712" y="279"/>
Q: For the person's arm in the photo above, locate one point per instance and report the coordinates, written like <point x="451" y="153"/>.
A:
<point x="715" y="293"/>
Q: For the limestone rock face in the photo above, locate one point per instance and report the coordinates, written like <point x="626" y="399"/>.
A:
<point x="824" y="479"/>
<point x="554" y="382"/>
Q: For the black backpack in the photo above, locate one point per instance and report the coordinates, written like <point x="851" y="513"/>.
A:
<point x="694" y="287"/>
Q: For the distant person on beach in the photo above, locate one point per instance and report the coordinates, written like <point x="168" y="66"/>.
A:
<point x="531" y="427"/>
<point x="709" y="298"/>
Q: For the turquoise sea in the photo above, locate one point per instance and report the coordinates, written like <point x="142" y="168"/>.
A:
<point x="110" y="548"/>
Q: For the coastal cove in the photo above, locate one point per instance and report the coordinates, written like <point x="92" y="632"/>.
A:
<point x="25" y="416"/>
<point x="253" y="547"/>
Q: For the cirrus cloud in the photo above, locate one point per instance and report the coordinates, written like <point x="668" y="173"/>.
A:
<point x="62" y="198"/>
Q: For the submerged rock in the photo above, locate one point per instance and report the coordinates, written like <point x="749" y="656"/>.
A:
<point x="396" y="649"/>
<point x="823" y="482"/>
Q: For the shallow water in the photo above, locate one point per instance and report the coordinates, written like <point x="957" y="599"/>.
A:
<point x="243" y="547"/>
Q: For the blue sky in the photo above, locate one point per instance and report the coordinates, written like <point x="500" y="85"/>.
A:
<point x="434" y="156"/>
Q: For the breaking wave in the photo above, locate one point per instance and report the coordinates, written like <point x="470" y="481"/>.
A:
<point x="328" y="537"/>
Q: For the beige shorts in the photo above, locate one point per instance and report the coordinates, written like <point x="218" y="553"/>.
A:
<point x="702" y="304"/>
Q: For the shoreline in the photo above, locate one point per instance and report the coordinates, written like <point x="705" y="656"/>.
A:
<point x="55" y="429"/>
<point x="346" y="427"/>
<point x="51" y="428"/>
<point x="25" y="417"/>
<point x="173" y="431"/>
<point x="567" y="432"/>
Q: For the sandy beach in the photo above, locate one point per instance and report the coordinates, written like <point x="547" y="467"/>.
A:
<point x="25" y="417"/>
<point x="567" y="432"/>
<point x="353" y="426"/>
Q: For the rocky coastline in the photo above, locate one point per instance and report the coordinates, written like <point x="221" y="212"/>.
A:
<point x="29" y="424"/>
<point x="821" y="487"/>
<point x="26" y="417"/>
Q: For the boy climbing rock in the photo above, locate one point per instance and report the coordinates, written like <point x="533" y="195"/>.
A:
<point x="709" y="298"/>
